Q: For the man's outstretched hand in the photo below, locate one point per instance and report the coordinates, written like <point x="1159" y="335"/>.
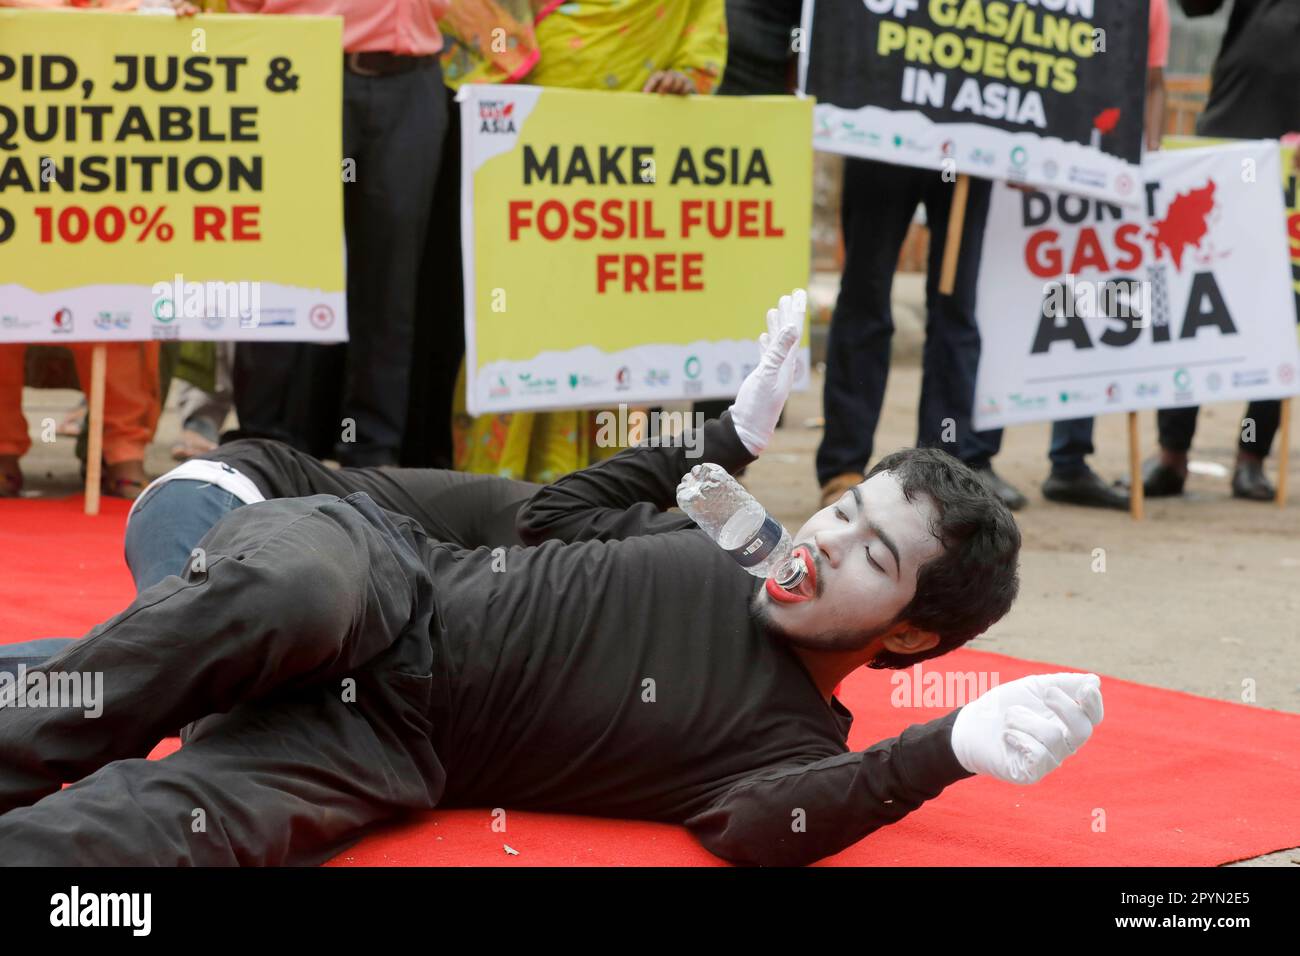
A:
<point x="763" y="393"/>
<point x="1022" y="730"/>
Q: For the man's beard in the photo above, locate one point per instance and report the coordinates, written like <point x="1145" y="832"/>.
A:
<point x="761" y="613"/>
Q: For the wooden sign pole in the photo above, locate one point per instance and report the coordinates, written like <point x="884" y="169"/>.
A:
<point x="952" y="242"/>
<point x="1135" y="494"/>
<point x="1284" y="452"/>
<point x="95" y="422"/>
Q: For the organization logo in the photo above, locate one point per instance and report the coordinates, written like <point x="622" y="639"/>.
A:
<point x="982" y="157"/>
<point x="692" y="385"/>
<point x="1182" y="385"/>
<point x="1254" y="376"/>
<point x="163" y="310"/>
<point x="1214" y="381"/>
<point x="265" y="317"/>
<point x="62" y="320"/>
<point x="623" y="378"/>
<point x="946" y="147"/>
<point x="321" y="316"/>
<point x="108" y="321"/>
<point x="1019" y="157"/>
<point x="500" y="388"/>
<point x="13" y="322"/>
<point x="724" y="373"/>
<point x="656" y="377"/>
<point x="213" y="321"/>
<point x="1087" y="177"/>
<point x="577" y="380"/>
<point x="1025" y="403"/>
<point x="1123" y="184"/>
<point x="1050" y="169"/>
<point x="1113" y="393"/>
<point x="496" y="117"/>
<point x="848" y="132"/>
<point x="537" y="384"/>
<point x="1147" y="389"/>
<point x="906" y="142"/>
<point x="990" y="405"/>
<point x="1286" y="373"/>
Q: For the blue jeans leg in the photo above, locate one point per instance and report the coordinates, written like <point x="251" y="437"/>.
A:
<point x="164" y="528"/>
<point x="31" y="653"/>
<point x="166" y="525"/>
<point x="1071" y="441"/>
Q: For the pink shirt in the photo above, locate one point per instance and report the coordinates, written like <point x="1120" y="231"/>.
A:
<point x="1158" y="35"/>
<point x="408" y="27"/>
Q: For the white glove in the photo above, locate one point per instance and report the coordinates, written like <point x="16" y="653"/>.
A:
<point x="763" y="393"/>
<point x="1022" y="730"/>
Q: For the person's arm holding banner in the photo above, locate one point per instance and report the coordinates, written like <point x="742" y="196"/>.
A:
<point x="701" y="53"/>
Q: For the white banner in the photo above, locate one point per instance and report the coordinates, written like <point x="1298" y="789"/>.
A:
<point x="175" y="309"/>
<point x="1087" y="307"/>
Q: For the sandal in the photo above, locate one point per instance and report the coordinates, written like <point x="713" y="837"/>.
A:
<point x="121" y="481"/>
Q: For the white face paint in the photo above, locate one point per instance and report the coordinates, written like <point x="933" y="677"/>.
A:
<point x="864" y="553"/>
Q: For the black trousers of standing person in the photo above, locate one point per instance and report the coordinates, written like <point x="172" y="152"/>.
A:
<point x="1177" y="426"/>
<point x="758" y="64"/>
<point x="393" y="129"/>
<point x="877" y="206"/>
<point x="301" y="661"/>
<point x="439" y="342"/>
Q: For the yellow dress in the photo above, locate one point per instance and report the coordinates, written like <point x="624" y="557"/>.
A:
<point x="596" y="45"/>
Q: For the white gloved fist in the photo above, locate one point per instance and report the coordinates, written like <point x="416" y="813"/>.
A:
<point x="1022" y="730"/>
<point x="763" y="393"/>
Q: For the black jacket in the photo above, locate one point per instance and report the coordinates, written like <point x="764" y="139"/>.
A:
<point x="614" y="669"/>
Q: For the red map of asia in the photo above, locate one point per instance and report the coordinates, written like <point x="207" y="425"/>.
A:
<point x="1185" y="224"/>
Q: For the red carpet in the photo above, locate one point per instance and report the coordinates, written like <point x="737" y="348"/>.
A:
<point x="1168" y="778"/>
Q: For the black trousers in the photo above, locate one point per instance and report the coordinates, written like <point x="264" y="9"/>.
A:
<point x="302" y="656"/>
<point x="1176" y="427"/>
<point x="439" y="343"/>
<point x="878" y="202"/>
<point x="393" y="128"/>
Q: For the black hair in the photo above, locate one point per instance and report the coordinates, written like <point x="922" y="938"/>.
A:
<point x="973" y="581"/>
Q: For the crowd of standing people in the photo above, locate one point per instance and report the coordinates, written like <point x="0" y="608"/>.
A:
<point x="394" y="394"/>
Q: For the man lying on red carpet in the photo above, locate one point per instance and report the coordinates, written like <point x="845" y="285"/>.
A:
<point x="336" y="667"/>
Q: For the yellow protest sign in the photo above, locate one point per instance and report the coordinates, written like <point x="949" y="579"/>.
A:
<point x="625" y="247"/>
<point x="170" y="178"/>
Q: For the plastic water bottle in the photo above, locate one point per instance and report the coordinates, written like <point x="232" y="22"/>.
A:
<point x="741" y="526"/>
